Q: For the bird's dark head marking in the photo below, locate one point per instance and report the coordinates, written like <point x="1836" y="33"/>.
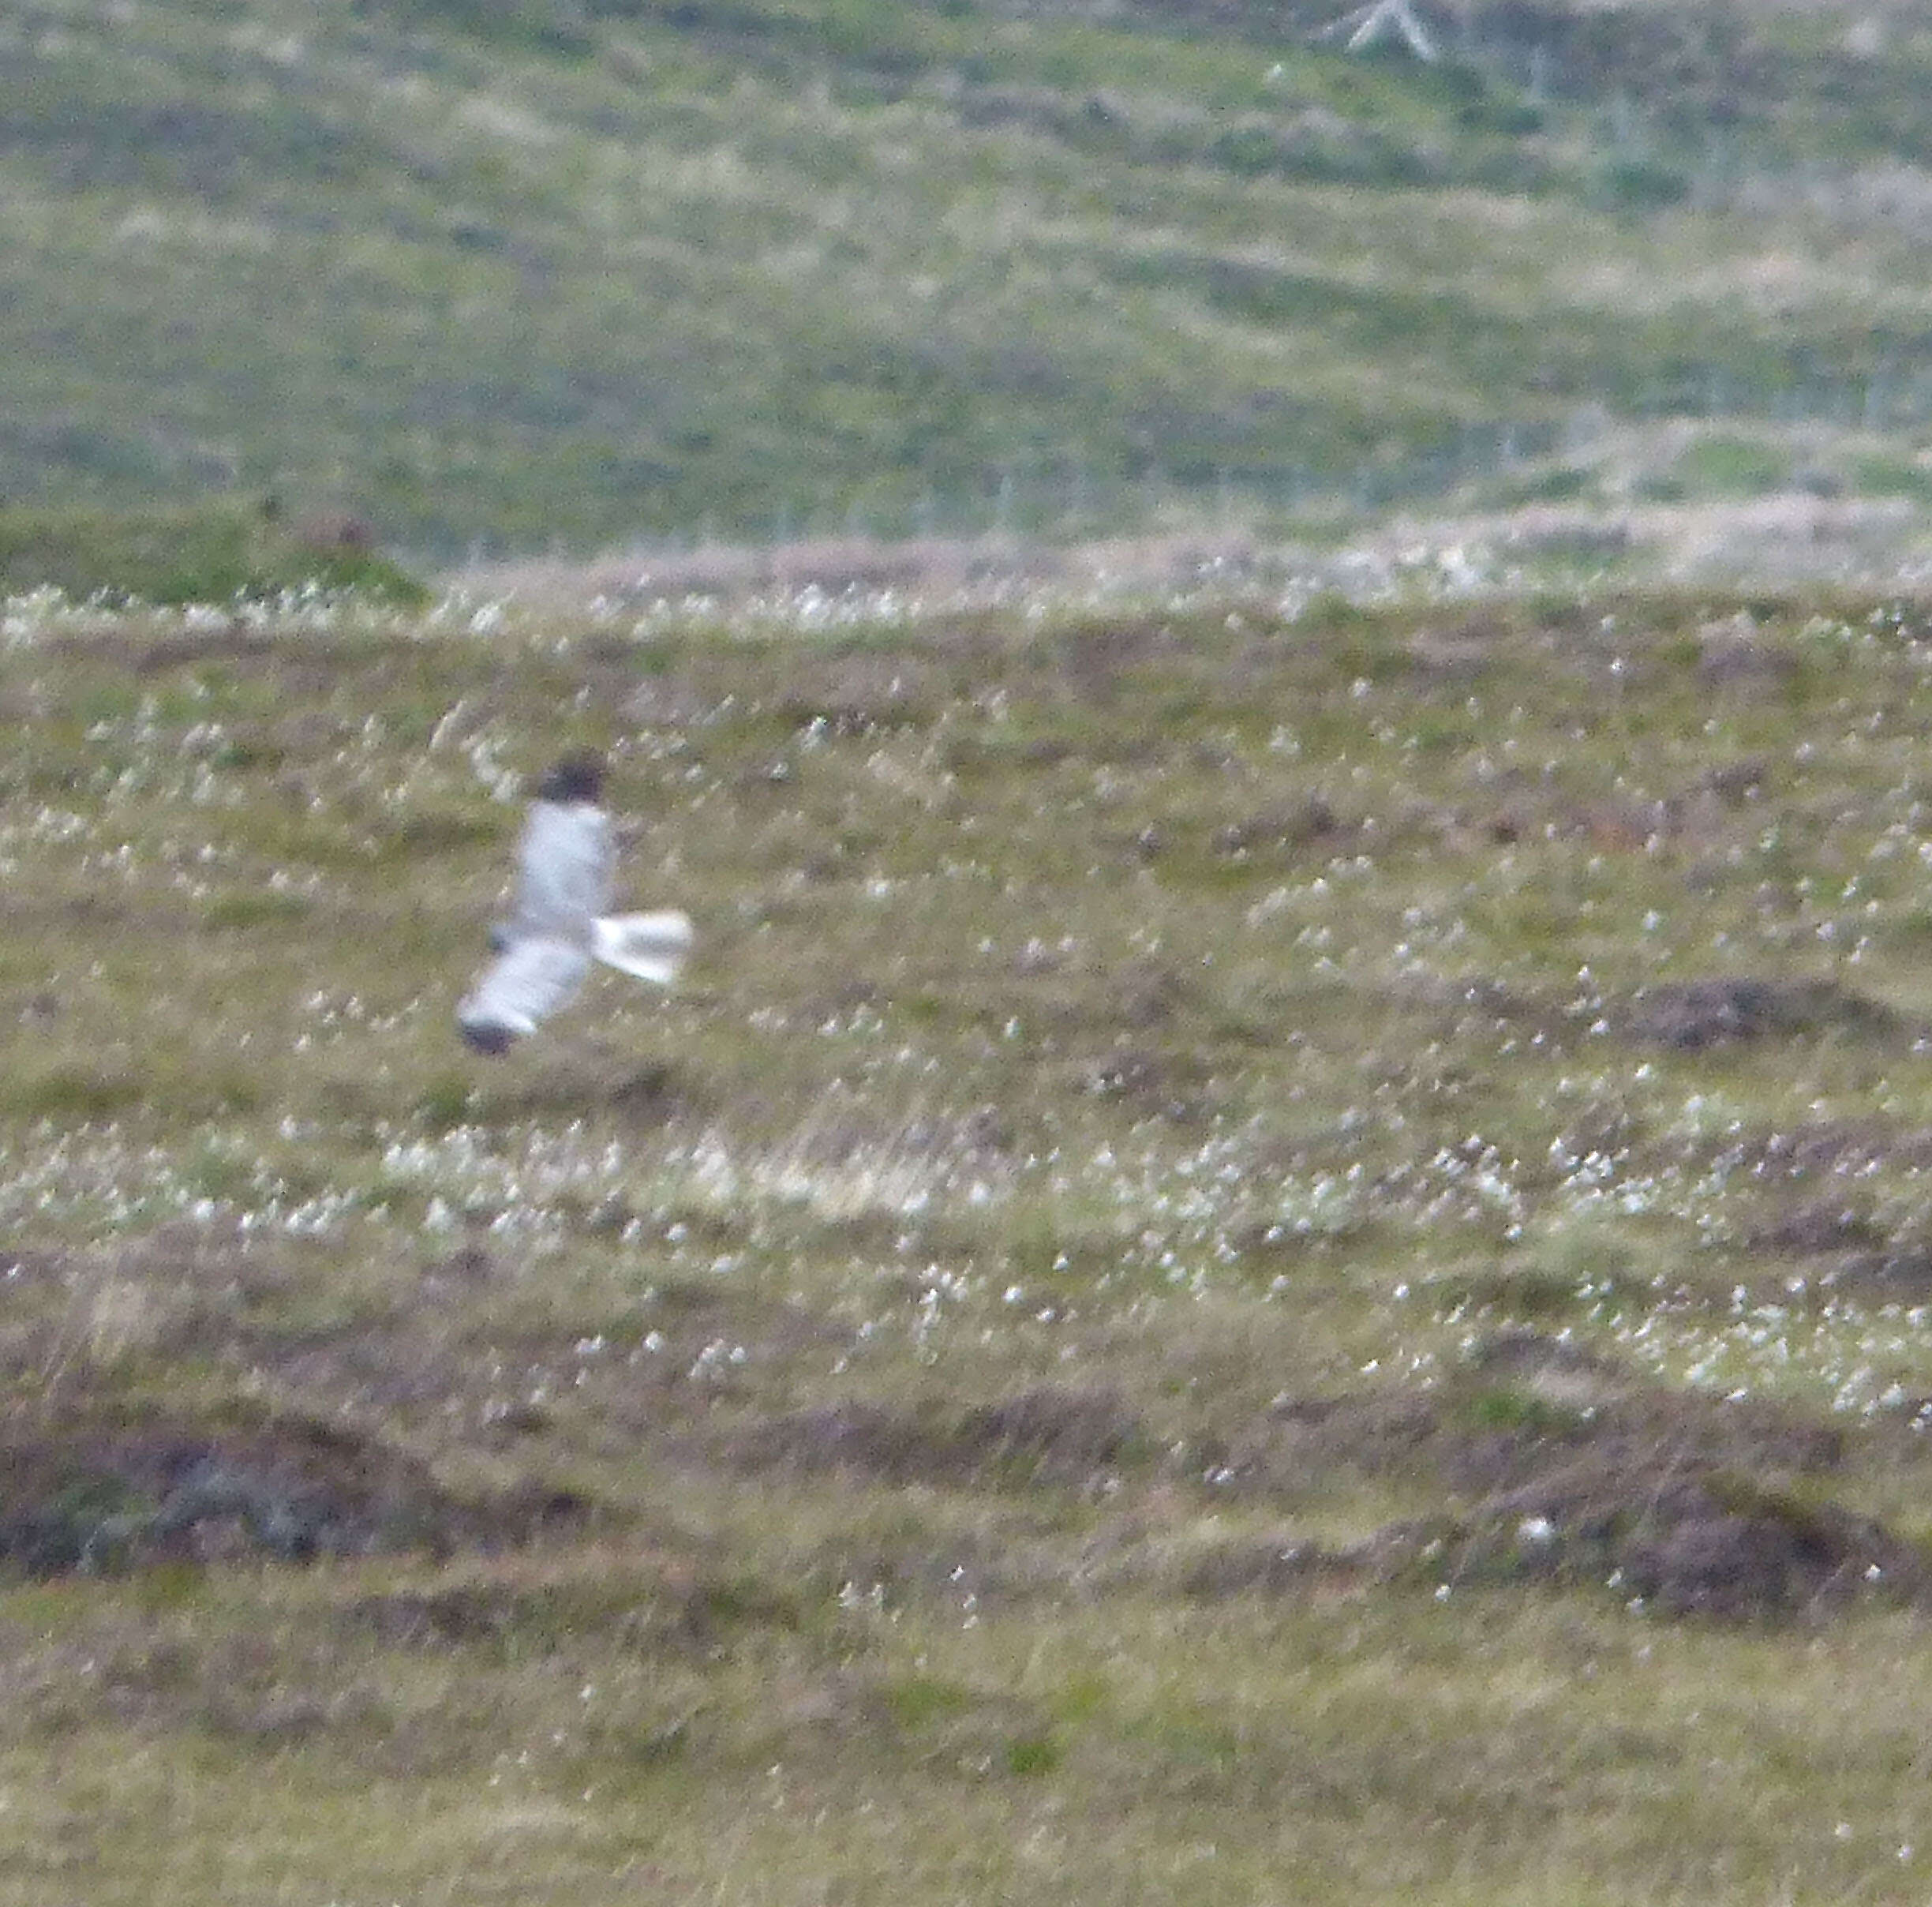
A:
<point x="576" y="778"/>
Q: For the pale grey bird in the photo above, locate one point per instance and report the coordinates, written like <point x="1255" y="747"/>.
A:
<point x="560" y="920"/>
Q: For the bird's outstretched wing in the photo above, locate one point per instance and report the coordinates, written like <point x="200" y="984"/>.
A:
<point x="522" y="988"/>
<point x="647" y="946"/>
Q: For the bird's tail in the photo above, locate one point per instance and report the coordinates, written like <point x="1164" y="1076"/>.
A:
<point x="648" y="946"/>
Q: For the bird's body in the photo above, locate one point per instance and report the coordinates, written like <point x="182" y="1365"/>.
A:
<point x="566" y="863"/>
<point x="560" y="920"/>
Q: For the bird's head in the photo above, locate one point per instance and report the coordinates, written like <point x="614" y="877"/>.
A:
<point x="576" y="778"/>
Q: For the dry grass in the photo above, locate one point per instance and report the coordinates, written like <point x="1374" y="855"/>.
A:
<point x="1278" y="1251"/>
<point x="1788" y="536"/>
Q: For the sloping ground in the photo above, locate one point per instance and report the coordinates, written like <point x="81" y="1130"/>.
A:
<point x="599" y="273"/>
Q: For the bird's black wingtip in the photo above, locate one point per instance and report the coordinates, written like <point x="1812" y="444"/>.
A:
<point x="489" y="1036"/>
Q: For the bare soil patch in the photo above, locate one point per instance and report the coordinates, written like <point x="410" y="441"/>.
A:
<point x="650" y="1093"/>
<point x="1524" y="1409"/>
<point x="1816" y="1208"/>
<point x="1837" y="1147"/>
<point x="1552" y="1466"/>
<point x="1078" y="1439"/>
<point x="93" y="1492"/>
<point x="1569" y="1471"/>
<point x="1693" y="1015"/>
<point x="1286" y="830"/>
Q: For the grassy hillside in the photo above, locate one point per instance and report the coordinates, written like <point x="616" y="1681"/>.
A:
<point x="1278" y="1250"/>
<point x="212" y="553"/>
<point x="541" y="270"/>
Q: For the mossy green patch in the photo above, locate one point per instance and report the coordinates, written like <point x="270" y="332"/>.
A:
<point x="214" y="553"/>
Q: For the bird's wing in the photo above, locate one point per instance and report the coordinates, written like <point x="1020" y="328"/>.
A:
<point x="564" y="866"/>
<point x="647" y="946"/>
<point x="523" y="987"/>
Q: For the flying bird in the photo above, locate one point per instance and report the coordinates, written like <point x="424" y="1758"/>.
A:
<point x="560" y="920"/>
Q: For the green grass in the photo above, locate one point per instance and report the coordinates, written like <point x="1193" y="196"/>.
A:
<point x="221" y="551"/>
<point x="604" y="273"/>
<point x="1140" y="1326"/>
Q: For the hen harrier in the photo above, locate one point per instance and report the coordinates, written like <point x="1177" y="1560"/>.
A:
<point x="560" y="921"/>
